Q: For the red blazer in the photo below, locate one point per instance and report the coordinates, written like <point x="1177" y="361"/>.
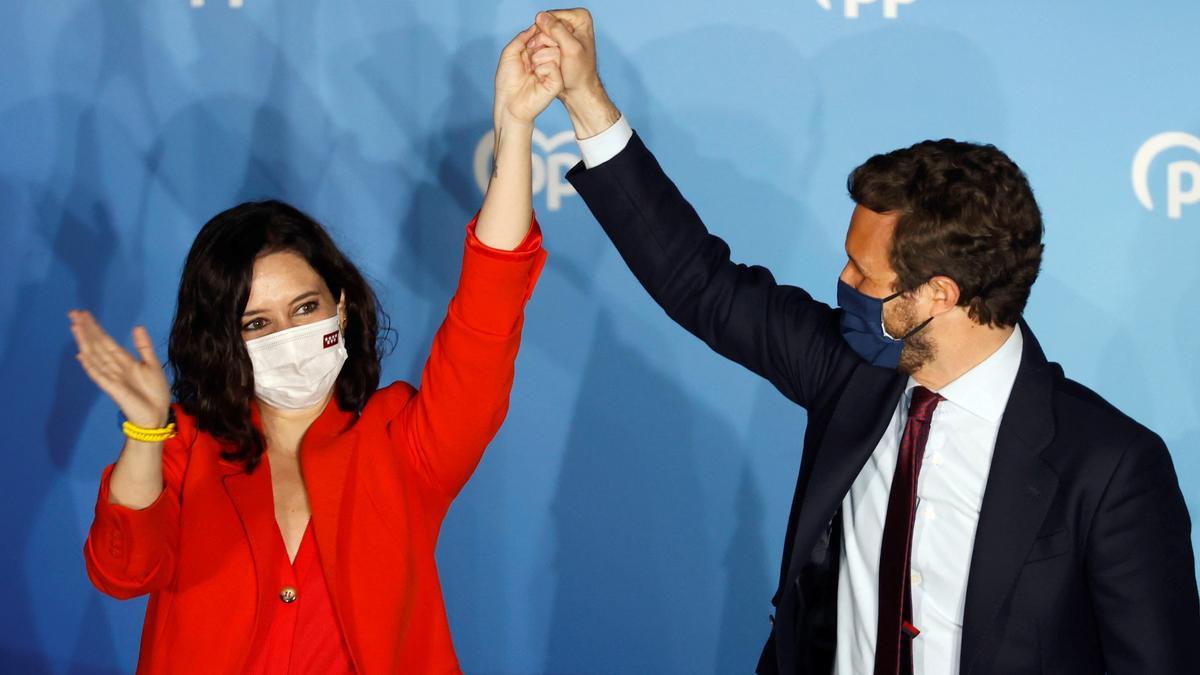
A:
<point x="379" y="484"/>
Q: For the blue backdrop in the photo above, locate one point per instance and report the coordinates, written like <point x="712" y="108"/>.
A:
<point x="629" y="517"/>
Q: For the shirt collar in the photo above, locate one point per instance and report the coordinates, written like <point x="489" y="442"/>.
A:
<point x="984" y="389"/>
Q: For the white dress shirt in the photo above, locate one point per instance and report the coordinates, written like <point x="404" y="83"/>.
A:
<point x="598" y="149"/>
<point x="954" y="472"/>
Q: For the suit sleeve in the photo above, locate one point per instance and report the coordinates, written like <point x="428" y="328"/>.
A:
<point x="775" y="330"/>
<point x="131" y="552"/>
<point x="1141" y="569"/>
<point x="465" y="385"/>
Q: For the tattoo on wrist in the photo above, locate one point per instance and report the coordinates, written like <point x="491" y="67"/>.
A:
<point x="496" y="153"/>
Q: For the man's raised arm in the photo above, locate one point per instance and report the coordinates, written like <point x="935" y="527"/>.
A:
<point x="777" y="331"/>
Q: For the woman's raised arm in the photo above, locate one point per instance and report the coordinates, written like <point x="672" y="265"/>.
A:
<point x="465" y="386"/>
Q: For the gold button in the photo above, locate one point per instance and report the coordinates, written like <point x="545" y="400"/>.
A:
<point x="287" y="594"/>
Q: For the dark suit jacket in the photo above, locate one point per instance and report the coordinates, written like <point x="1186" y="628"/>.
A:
<point x="1082" y="560"/>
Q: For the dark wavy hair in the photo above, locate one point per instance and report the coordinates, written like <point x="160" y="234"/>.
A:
<point x="966" y="212"/>
<point x="214" y="380"/>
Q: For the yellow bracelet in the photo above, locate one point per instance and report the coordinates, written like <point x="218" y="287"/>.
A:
<point x="148" y="435"/>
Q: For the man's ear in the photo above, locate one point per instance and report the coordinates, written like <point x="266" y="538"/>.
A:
<point x="944" y="293"/>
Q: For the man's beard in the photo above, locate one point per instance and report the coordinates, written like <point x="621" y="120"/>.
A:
<point x="918" y="349"/>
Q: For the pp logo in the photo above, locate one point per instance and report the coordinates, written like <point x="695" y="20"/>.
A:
<point x="547" y="171"/>
<point x="330" y="340"/>
<point x="1177" y="195"/>
<point x="891" y="8"/>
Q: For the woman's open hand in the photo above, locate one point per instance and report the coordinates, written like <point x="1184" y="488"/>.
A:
<point x="526" y="81"/>
<point x="137" y="385"/>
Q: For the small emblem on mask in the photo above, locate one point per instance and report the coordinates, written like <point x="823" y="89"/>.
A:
<point x="330" y="339"/>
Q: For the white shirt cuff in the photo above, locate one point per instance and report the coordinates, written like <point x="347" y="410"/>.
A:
<point x="605" y="145"/>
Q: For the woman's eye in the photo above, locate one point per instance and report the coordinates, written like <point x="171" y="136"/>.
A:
<point x="254" y="325"/>
<point x="307" y="308"/>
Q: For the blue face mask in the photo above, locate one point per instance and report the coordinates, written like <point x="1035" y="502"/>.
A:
<point x="862" y="327"/>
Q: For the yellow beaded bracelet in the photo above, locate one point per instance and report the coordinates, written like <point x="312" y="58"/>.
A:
<point x="148" y="435"/>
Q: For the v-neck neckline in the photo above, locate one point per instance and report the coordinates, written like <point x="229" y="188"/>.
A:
<point x="304" y="541"/>
<point x="304" y="536"/>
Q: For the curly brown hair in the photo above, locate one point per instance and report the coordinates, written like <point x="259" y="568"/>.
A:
<point x="213" y="377"/>
<point x="966" y="212"/>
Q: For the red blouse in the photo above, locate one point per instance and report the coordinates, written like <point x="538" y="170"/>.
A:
<point x="304" y="636"/>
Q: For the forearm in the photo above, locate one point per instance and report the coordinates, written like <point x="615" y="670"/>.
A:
<point x="651" y="224"/>
<point x="507" y="208"/>
<point x="131" y="546"/>
<point x="137" y="477"/>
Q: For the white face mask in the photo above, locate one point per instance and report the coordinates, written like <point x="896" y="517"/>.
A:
<point x="296" y="368"/>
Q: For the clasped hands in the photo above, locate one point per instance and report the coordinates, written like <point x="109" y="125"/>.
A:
<point x="554" y="58"/>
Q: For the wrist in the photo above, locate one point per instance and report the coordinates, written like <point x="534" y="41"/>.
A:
<point x="148" y="419"/>
<point x="590" y="110"/>
<point x="503" y="119"/>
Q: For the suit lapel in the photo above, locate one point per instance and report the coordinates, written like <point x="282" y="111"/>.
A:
<point x="859" y="419"/>
<point x="252" y="499"/>
<point x="325" y="458"/>
<point x="1019" y="491"/>
<point x="324" y="465"/>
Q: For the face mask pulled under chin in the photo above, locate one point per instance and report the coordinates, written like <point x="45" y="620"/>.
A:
<point x="863" y="329"/>
<point x="296" y="368"/>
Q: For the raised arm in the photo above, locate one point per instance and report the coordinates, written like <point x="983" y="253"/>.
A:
<point x="465" y="386"/>
<point x="777" y="331"/>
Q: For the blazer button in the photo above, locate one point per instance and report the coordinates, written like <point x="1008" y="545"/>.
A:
<point x="287" y="594"/>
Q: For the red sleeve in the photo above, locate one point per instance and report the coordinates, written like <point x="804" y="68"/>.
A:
<point x="495" y="282"/>
<point x="529" y="246"/>
<point x="130" y="552"/>
<point x="463" y="397"/>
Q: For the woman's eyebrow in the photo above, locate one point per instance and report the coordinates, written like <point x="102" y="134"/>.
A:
<point x="298" y="298"/>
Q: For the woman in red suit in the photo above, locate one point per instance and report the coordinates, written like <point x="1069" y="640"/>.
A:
<point x="282" y="513"/>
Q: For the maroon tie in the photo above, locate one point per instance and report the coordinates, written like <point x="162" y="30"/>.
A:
<point x="893" y="638"/>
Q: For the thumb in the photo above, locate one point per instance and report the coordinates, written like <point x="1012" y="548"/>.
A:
<point x="556" y="29"/>
<point x="517" y="44"/>
<point x="145" y="347"/>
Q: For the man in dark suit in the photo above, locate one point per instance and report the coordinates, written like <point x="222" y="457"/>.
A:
<point x="961" y="506"/>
